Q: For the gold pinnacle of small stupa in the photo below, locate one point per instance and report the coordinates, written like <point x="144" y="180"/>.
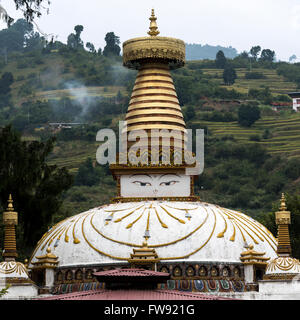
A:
<point x="153" y="26"/>
<point x="10" y="203"/>
<point x="282" y="203"/>
<point x="283" y="219"/>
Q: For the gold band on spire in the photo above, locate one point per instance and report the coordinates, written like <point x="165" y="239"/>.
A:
<point x="153" y="32"/>
<point x="154" y="106"/>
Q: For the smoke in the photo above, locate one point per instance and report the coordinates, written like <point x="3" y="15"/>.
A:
<point x="79" y="93"/>
<point x="86" y="98"/>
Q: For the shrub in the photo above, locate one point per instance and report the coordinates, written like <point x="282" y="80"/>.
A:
<point x="254" y="137"/>
<point x="248" y="114"/>
<point x="254" y="75"/>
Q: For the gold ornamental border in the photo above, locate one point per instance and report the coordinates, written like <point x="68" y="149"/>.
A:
<point x="11" y="267"/>
<point x="284" y="264"/>
<point x="165" y="48"/>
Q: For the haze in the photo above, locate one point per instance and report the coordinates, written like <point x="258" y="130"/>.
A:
<point x="241" y="24"/>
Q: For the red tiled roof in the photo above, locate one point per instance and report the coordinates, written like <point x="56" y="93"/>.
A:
<point x="131" y="273"/>
<point x="103" y="294"/>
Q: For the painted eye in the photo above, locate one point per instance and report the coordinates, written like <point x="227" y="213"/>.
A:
<point x="142" y="184"/>
<point x="168" y="183"/>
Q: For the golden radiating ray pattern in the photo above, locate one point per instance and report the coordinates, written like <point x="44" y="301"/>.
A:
<point x="159" y="219"/>
<point x="283" y="264"/>
<point x="8" y="267"/>
<point x="150" y="215"/>
<point x="259" y="230"/>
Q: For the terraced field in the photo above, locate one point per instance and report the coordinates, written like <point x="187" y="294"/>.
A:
<point x="71" y="154"/>
<point x="284" y="139"/>
<point x="276" y="83"/>
<point x="80" y="93"/>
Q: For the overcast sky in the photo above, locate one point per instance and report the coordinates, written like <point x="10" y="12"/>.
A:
<point x="272" y="24"/>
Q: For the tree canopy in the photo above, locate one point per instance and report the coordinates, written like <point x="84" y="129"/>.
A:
<point x="254" y="51"/>
<point x="267" y="55"/>
<point x="229" y="75"/>
<point x="248" y="114"/>
<point x="36" y="187"/>
<point x="220" y="59"/>
<point x="18" y="36"/>
<point x="112" y="47"/>
<point x="74" y="41"/>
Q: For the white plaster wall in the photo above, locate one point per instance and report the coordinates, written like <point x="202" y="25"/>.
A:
<point x="295" y="105"/>
<point x="279" y="287"/>
<point x="249" y="273"/>
<point x="20" y="292"/>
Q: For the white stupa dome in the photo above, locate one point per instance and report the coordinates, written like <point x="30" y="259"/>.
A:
<point x="180" y="231"/>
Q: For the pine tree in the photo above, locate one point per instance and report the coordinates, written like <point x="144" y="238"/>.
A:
<point x="229" y="75"/>
<point x="220" y="60"/>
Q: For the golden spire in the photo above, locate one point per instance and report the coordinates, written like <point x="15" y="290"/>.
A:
<point x="282" y="203"/>
<point x="283" y="219"/>
<point x="153" y="26"/>
<point x="10" y="220"/>
<point x="154" y="103"/>
<point x="10" y="203"/>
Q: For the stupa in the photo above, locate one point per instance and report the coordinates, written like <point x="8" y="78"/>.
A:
<point x="14" y="277"/>
<point x="155" y="222"/>
<point x="155" y="214"/>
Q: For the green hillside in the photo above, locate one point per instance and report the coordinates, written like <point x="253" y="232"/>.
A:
<point x="284" y="133"/>
<point x="277" y="83"/>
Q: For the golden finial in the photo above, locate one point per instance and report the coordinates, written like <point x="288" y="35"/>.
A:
<point x="10" y="203"/>
<point x="282" y="203"/>
<point x="153" y="26"/>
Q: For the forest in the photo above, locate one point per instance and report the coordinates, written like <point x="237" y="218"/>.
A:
<point x="252" y="135"/>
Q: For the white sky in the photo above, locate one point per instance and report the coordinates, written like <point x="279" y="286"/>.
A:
<point x="272" y="24"/>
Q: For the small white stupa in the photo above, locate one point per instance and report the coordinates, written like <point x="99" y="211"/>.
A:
<point x="282" y="277"/>
<point x="15" y="283"/>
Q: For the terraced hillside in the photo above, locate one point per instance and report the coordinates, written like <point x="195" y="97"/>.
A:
<point x="71" y="154"/>
<point x="276" y="83"/>
<point x="284" y="133"/>
<point x="284" y="140"/>
<point x="80" y="93"/>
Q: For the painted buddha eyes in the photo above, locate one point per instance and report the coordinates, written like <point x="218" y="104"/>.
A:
<point x="142" y="184"/>
<point x="147" y="184"/>
<point x="168" y="183"/>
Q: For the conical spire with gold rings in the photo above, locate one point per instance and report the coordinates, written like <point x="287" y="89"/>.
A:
<point x="154" y="104"/>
